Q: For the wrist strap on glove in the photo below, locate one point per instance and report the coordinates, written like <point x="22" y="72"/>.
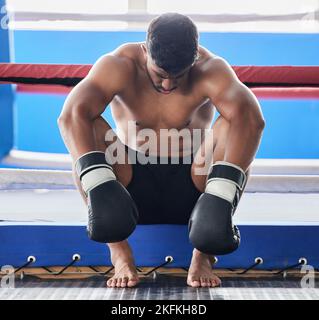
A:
<point x="224" y="180"/>
<point x="93" y="170"/>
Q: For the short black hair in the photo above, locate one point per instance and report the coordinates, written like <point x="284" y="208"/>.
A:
<point x="172" y="41"/>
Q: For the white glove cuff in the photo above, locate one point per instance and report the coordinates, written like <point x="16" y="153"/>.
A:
<point x="95" y="177"/>
<point x="225" y="189"/>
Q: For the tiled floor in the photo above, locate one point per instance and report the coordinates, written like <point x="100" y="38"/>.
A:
<point x="161" y="287"/>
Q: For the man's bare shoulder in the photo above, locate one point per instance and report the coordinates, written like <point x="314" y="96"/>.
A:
<point x="215" y="74"/>
<point x="119" y="64"/>
<point x="130" y="50"/>
<point x="122" y="61"/>
<point x="131" y="53"/>
<point x="212" y="65"/>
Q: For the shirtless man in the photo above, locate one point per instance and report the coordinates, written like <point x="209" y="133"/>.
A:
<point x="167" y="82"/>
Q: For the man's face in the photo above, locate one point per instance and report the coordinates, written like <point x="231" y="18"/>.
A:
<point x="162" y="81"/>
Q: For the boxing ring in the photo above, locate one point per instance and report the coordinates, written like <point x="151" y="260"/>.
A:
<point x="43" y="219"/>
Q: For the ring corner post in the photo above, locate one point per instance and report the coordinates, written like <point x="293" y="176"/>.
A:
<point x="6" y="91"/>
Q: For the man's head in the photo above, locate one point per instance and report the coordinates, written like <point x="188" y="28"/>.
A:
<point x="171" y="49"/>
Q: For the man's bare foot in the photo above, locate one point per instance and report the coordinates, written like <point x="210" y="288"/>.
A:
<point x="200" y="273"/>
<point x="125" y="274"/>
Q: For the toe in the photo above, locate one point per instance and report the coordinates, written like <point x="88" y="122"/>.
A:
<point x="215" y="282"/>
<point x="119" y="282"/>
<point x="109" y="283"/>
<point x="124" y="282"/>
<point x="203" y="282"/>
<point x="132" y="282"/>
<point x="193" y="282"/>
<point x="114" y="283"/>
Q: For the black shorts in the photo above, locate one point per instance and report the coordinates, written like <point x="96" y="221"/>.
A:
<point x="163" y="193"/>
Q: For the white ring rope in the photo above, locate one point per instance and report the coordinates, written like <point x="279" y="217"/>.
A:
<point x="11" y="179"/>
<point x="41" y="160"/>
<point x="267" y="175"/>
<point x="285" y="166"/>
<point x="44" y="160"/>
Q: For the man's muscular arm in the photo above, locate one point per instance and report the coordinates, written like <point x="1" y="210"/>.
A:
<point x="88" y="100"/>
<point x="237" y="104"/>
<point x="112" y="214"/>
<point x="211" y="229"/>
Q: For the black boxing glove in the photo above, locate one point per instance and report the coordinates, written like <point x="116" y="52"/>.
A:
<point x="211" y="229"/>
<point x="112" y="212"/>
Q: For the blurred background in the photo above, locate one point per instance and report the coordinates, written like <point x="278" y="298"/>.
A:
<point x="41" y="213"/>
<point x="246" y="32"/>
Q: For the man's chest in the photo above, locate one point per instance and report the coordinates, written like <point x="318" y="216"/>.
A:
<point x="151" y="110"/>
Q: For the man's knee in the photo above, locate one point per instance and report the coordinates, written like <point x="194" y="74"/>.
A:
<point x="100" y="127"/>
<point x="212" y="150"/>
<point x="122" y="169"/>
<point x="220" y="130"/>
